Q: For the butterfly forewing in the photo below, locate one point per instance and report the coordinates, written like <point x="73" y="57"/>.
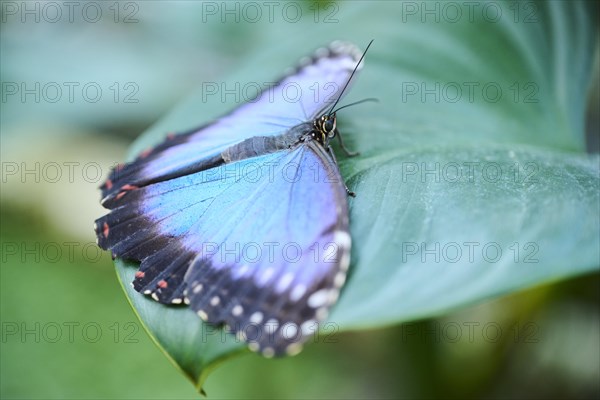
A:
<point x="270" y="273"/>
<point x="296" y="98"/>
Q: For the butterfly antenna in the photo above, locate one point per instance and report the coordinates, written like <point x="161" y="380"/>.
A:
<point x="357" y="102"/>
<point x="349" y="79"/>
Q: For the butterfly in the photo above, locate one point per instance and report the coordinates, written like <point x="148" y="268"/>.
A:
<point x="244" y="219"/>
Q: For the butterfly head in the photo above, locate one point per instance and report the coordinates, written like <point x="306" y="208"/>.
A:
<point x="325" y="128"/>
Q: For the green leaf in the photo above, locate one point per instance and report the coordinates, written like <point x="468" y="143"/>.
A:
<point x="193" y="346"/>
<point x="472" y="181"/>
<point x="441" y="228"/>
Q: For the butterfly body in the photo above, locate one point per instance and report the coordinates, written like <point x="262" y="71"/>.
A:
<point x="244" y="219"/>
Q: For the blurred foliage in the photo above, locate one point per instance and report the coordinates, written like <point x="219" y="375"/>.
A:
<point x="548" y="346"/>
<point x="416" y="359"/>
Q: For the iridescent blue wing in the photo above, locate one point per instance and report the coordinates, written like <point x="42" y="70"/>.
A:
<point x="260" y="244"/>
<point x="299" y="97"/>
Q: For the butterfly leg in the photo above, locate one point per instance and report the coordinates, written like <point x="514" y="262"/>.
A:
<point x="344" y="148"/>
<point x="332" y="154"/>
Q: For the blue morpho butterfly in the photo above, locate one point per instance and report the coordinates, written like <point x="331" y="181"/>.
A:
<point x="246" y="218"/>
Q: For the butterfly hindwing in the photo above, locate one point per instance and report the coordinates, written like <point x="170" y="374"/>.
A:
<point x="263" y="244"/>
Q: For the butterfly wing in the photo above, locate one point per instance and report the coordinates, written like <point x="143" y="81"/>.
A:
<point x="298" y="97"/>
<point x="260" y="244"/>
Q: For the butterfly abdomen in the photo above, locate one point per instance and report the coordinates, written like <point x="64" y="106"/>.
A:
<point x="260" y="145"/>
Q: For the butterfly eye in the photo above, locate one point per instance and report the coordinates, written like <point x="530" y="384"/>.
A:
<point x="329" y="126"/>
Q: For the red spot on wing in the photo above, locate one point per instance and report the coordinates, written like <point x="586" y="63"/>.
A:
<point x="108" y="184"/>
<point x="129" y="187"/>
<point x="140" y="274"/>
<point x="105" y="230"/>
<point x="145" y="153"/>
<point x="162" y="284"/>
<point x="125" y="189"/>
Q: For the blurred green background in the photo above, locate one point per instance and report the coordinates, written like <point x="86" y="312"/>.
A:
<point x="77" y="88"/>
